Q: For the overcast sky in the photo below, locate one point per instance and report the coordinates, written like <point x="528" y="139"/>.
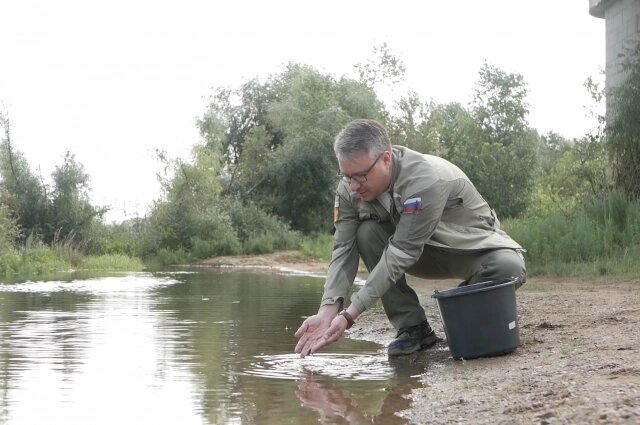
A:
<point x="113" y="80"/>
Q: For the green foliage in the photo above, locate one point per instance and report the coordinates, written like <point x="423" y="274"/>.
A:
<point x="195" y="220"/>
<point x="624" y="126"/>
<point x="604" y="231"/>
<point x="71" y="211"/>
<point x="38" y="210"/>
<point x="552" y="148"/>
<point x="20" y="190"/>
<point x="134" y="238"/>
<point x="190" y="213"/>
<point x="573" y="172"/>
<point x="579" y="175"/>
<point x="111" y="262"/>
<point x="277" y="140"/>
<point x="258" y="231"/>
<point x="309" y="113"/>
<point x="318" y="247"/>
<point x="384" y="67"/>
<point x="9" y="229"/>
<point x="38" y="259"/>
<point x="454" y="130"/>
<point x="414" y="126"/>
<point x="503" y="163"/>
<point x="167" y="257"/>
<point x="499" y="104"/>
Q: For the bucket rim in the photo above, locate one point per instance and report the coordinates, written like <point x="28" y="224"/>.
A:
<point x="475" y="288"/>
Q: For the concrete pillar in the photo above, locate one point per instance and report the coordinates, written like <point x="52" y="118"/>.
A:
<point x="622" y="32"/>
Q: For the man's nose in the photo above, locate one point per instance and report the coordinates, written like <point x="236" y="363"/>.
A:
<point x="354" y="184"/>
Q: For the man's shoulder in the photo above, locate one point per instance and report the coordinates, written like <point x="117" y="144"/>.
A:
<point x="405" y="154"/>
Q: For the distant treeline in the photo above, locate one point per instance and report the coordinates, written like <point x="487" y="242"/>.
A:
<point x="263" y="176"/>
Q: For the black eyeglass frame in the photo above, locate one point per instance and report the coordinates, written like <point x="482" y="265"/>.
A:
<point x="362" y="176"/>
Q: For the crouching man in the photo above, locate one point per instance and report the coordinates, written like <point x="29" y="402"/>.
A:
<point x="402" y="212"/>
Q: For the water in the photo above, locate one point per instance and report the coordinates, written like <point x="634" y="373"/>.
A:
<point x="206" y="347"/>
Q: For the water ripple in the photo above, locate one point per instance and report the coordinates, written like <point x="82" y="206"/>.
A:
<point x="363" y="367"/>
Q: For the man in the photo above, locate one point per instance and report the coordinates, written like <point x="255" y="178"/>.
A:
<point x="402" y="211"/>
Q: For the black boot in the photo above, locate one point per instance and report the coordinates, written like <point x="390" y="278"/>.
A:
<point x="412" y="339"/>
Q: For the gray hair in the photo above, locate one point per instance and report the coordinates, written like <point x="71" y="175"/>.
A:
<point x="361" y="136"/>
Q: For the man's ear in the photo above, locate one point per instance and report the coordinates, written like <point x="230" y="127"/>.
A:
<point x="387" y="157"/>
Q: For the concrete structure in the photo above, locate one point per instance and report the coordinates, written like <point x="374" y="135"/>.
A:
<point x="622" y="24"/>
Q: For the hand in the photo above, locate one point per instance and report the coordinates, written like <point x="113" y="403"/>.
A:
<point x="317" y="332"/>
<point x="330" y="402"/>
<point x="311" y="330"/>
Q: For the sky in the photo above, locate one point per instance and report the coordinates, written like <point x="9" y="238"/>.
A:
<point x="113" y="81"/>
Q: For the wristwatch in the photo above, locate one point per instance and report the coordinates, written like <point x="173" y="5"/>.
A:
<point x="346" y="315"/>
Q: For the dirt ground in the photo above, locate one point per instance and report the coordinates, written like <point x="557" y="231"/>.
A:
<point x="578" y="361"/>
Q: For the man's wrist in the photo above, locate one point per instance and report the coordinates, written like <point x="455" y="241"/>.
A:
<point x="348" y="317"/>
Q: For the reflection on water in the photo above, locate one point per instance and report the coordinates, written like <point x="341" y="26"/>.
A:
<point x="192" y="348"/>
<point x="334" y="365"/>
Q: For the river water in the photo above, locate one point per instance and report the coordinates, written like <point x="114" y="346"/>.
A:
<point x="185" y="347"/>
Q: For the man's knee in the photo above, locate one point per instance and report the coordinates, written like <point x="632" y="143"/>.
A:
<point x="510" y="263"/>
<point x="501" y="264"/>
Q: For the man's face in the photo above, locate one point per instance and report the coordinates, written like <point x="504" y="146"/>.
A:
<point x="367" y="177"/>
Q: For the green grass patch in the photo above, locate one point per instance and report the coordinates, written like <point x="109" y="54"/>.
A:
<point x="599" y="239"/>
<point x="38" y="260"/>
<point x="106" y="262"/>
<point x="318" y="247"/>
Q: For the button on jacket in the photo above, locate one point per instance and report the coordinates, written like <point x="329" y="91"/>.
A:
<point x="431" y="202"/>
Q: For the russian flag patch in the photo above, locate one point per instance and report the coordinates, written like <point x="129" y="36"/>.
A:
<point x="412" y="205"/>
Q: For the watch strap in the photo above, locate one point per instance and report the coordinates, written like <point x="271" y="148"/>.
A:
<point x="346" y="315"/>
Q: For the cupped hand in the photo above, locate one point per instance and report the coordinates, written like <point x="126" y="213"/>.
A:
<point x="317" y="332"/>
<point x="310" y="332"/>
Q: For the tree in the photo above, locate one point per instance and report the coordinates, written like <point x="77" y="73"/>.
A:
<point x="310" y="110"/>
<point x="552" y="148"/>
<point x="455" y="132"/>
<point x="190" y="216"/>
<point x="21" y="191"/>
<point x="506" y="152"/>
<point x="277" y="139"/>
<point x="9" y="230"/>
<point x="384" y="68"/>
<point x="411" y="126"/>
<point x="624" y="126"/>
<point x="71" y="212"/>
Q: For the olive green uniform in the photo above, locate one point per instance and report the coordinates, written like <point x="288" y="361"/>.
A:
<point x="432" y="223"/>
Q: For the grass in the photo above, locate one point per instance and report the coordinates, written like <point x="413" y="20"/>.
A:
<point x="602" y="238"/>
<point x="317" y="247"/>
<point x="42" y="260"/>
<point x="109" y="262"/>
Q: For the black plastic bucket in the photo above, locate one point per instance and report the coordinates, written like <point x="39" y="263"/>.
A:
<point x="480" y="320"/>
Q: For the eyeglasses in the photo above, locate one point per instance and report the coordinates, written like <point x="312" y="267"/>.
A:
<point x="359" y="177"/>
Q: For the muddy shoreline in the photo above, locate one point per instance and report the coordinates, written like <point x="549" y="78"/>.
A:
<point x="578" y="361"/>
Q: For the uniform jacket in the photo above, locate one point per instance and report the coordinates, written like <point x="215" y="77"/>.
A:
<point x="434" y="203"/>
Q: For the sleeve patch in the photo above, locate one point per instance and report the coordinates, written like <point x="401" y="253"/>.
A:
<point x="412" y="205"/>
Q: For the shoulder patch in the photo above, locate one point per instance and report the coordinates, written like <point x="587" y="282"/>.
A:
<point x="412" y="205"/>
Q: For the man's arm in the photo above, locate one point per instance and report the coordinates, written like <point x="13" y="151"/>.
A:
<point x="340" y="277"/>
<point x="344" y="257"/>
<point x="417" y="224"/>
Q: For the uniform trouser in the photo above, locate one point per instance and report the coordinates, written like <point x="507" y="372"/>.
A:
<point x="400" y="302"/>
